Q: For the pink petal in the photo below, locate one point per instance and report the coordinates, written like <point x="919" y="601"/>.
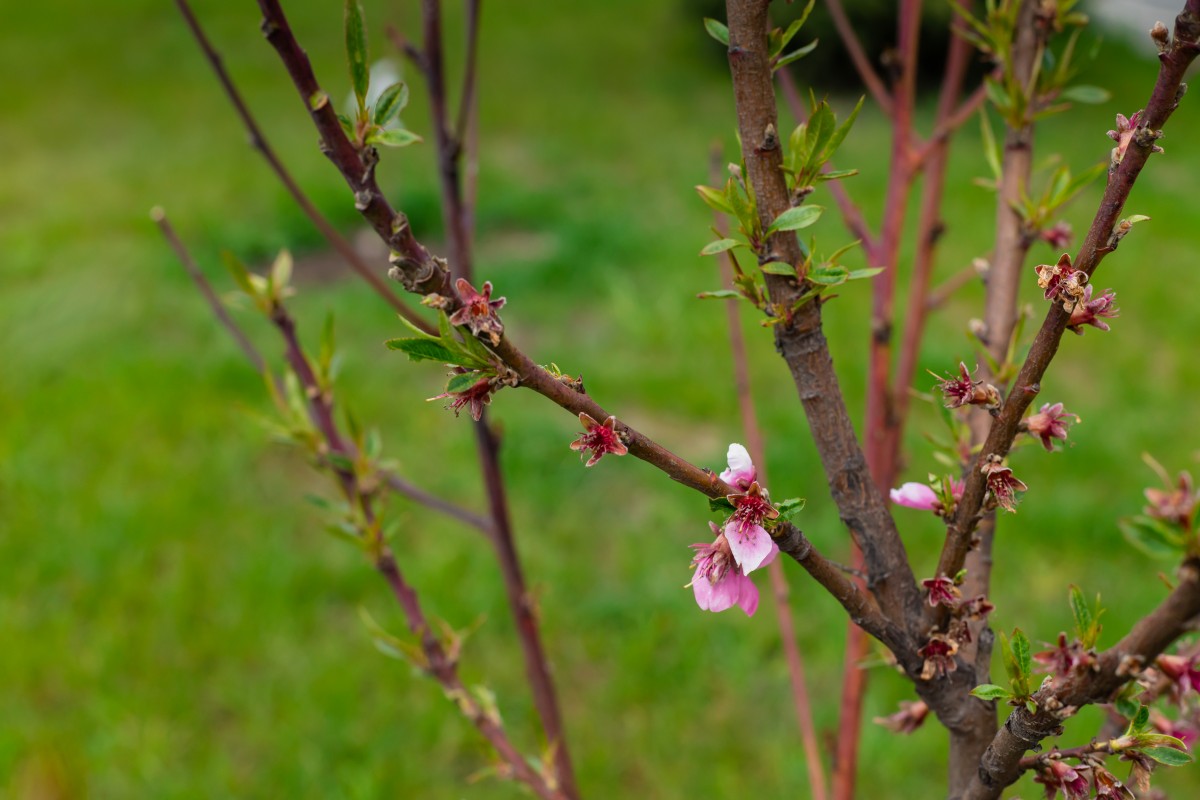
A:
<point x="915" y="495"/>
<point x="751" y="545"/>
<point x="741" y="472"/>
<point x="716" y="596"/>
<point x="747" y="595"/>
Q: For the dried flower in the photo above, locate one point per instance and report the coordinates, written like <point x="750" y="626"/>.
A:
<point x="1056" y="776"/>
<point x="748" y="539"/>
<point x="942" y="591"/>
<point x="478" y="311"/>
<point x="939" y="654"/>
<point x="741" y="472"/>
<point x="1049" y="423"/>
<point x="475" y="397"/>
<point x="1064" y="659"/>
<point x="1058" y="236"/>
<point x="600" y="439"/>
<point x="1108" y="787"/>
<point x="910" y="717"/>
<point x="1176" y="505"/>
<point x="1001" y="484"/>
<point x="962" y="391"/>
<point x="718" y="584"/>
<point x="1062" y="280"/>
<point x="1088" y="311"/>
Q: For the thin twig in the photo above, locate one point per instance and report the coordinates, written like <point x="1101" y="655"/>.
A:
<point x="344" y="248"/>
<point x="858" y="57"/>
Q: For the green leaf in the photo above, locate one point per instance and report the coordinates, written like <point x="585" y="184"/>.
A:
<point x="281" y="272"/>
<point x="790" y="507"/>
<point x="796" y="25"/>
<point x="1162" y="739"/>
<point x="390" y="103"/>
<point x="837" y="174"/>
<point x="1167" y="755"/>
<point x="1153" y="536"/>
<point x="719" y="246"/>
<point x="1086" y="94"/>
<point x="795" y="219"/>
<point x="423" y="350"/>
<point x="1022" y="653"/>
<point x="840" y="134"/>
<point x="779" y="268"/>
<point x="1141" y="720"/>
<point x="720" y="504"/>
<point x="463" y="381"/>
<point x="990" y="691"/>
<point x="393" y="137"/>
<point x="828" y="276"/>
<point x="720" y="294"/>
<point x="796" y="55"/>
<point x="241" y="275"/>
<point x="717" y="30"/>
<point x="859" y="274"/>
<point x="715" y="199"/>
<point x="356" y="51"/>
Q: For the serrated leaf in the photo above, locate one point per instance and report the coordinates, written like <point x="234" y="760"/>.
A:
<point x="1167" y="755"/>
<point x="839" y="135"/>
<point x="990" y="691"/>
<point x="717" y="30"/>
<point x="719" y="246"/>
<point x="423" y="350"/>
<point x="462" y="381"/>
<point x="790" y="507"/>
<point x="1082" y="614"/>
<point x="356" y="51"/>
<point x="795" y="218"/>
<point x="1141" y="720"/>
<point x="390" y="103"/>
<point x="1086" y="94"/>
<point x="394" y="137"/>
<point x="719" y="294"/>
<point x="828" y="276"/>
<point x="1022" y="653"/>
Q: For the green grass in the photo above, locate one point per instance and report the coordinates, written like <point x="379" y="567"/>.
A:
<point x="176" y="623"/>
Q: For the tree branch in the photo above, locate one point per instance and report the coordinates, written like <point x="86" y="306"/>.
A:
<point x="858" y="57"/>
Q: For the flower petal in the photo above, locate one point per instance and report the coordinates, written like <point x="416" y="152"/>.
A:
<point x="915" y="495"/>
<point x="751" y="545"/>
<point x="747" y="594"/>
<point x="741" y="472"/>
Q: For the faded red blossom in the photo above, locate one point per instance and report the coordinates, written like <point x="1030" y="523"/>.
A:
<point x="1066" y="658"/>
<point x="1108" y="787"/>
<point x="963" y="391"/>
<point x="600" y="439"/>
<point x="749" y="540"/>
<point x="1182" y="671"/>
<point x="475" y="397"/>
<point x="1049" y="423"/>
<point x="976" y="608"/>
<point x="1089" y="311"/>
<point x="1057" y="776"/>
<point x="911" y="716"/>
<point x="1177" y="505"/>
<point x="478" y="311"/>
<point x="1058" y="236"/>
<point x="942" y="591"/>
<point x="1062" y="280"/>
<point x="939" y="654"/>
<point x="1002" y="485"/>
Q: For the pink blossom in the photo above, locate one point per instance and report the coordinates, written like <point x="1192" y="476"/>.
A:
<point x="717" y="583"/>
<point x="599" y="438"/>
<point x="1182" y="670"/>
<point x="1058" y="236"/>
<point x="478" y="311"/>
<point x="942" y="591"/>
<point x="752" y="546"/>
<point x="916" y="495"/>
<point x="1056" y="775"/>
<point x="1089" y="312"/>
<point x="1181" y="729"/>
<point x="741" y="472"/>
<point x="474" y="397"/>
<point x="1176" y="504"/>
<point x="1050" y="422"/>
<point x="963" y="391"/>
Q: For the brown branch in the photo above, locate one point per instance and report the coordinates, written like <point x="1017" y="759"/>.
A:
<point x="1001" y="763"/>
<point x="260" y="143"/>
<point x="798" y="335"/>
<point x="858" y="57"/>
<point x="779" y="584"/>
<point x="1163" y="101"/>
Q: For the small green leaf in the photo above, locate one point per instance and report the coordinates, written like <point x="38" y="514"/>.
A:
<point x="795" y="218"/>
<point x="1161" y="739"/>
<point x="837" y="174"/>
<point x="390" y="103"/>
<point x="241" y="275"/>
<point x="1167" y="755"/>
<point x="281" y="272"/>
<point x="715" y="199"/>
<point x="779" y="268"/>
<point x="393" y="137"/>
<point x="1086" y="94"/>
<point x="719" y="246"/>
<point x="828" y="276"/>
<point x="790" y="507"/>
<point x="796" y="55"/>
<point x="356" y="51"/>
<point x="859" y="274"/>
<point x="1022" y="653"/>
<point x="990" y="691"/>
<point x="423" y="350"/>
<point x="1141" y="720"/>
<point x="720" y="294"/>
<point x="720" y="504"/>
<point x="717" y="30"/>
<point x="463" y="381"/>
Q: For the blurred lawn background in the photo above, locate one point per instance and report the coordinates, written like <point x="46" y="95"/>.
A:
<point x="174" y="620"/>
